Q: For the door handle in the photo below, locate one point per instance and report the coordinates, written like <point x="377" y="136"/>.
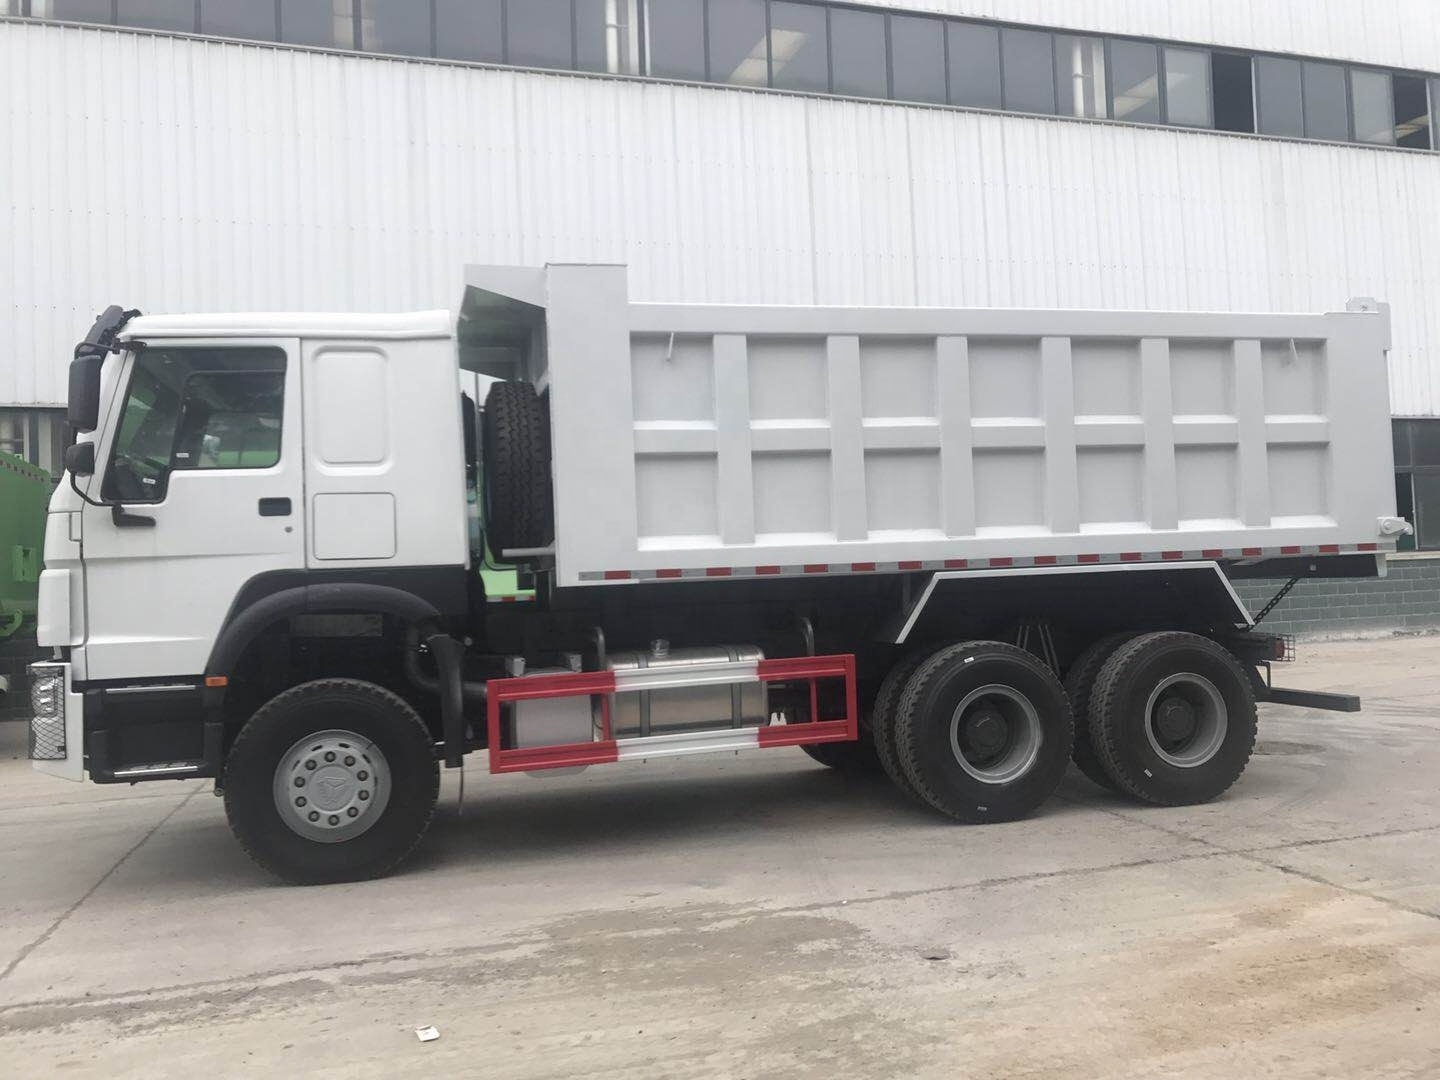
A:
<point x="274" y="507"/>
<point x="124" y="519"/>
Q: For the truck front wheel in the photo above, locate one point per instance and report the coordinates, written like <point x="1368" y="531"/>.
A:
<point x="333" y="780"/>
<point x="984" y="731"/>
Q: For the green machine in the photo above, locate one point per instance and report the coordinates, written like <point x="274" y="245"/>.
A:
<point x="24" y="496"/>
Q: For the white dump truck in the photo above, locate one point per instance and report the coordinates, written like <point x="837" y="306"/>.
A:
<point x="955" y="546"/>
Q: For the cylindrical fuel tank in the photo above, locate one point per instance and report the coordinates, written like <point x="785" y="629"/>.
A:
<point x="690" y="708"/>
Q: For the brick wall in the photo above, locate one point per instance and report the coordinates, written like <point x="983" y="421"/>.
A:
<point x="1407" y="598"/>
<point x="16" y="652"/>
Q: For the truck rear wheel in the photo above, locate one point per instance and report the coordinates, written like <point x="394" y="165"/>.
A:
<point x="333" y="780"/>
<point x="882" y="720"/>
<point x="516" y="436"/>
<point x="1172" y="718"/>
<point x="1080" y="686"/>
<point x="984" y="731"/>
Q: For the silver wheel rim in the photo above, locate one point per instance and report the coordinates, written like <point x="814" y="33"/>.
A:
<point x="332" y="786"/>
<point x="1201" y="708"/>
<point x="998" y="760"/>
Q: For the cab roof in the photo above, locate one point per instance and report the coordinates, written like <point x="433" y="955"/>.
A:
<point x="292" y="324"/>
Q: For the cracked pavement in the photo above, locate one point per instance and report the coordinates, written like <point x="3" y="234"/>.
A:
<point x="763" y="917"/>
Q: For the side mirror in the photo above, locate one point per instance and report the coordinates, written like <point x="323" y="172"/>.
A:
<point x="84" y="411"/>
<point x="80" y="459"/>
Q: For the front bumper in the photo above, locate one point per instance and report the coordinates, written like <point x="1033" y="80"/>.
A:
<point x="57" y="722"/>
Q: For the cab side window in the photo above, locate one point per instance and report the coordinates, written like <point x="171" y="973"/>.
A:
<point x="196" y="409"/>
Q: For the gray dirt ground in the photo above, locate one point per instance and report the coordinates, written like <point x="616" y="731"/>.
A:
<point x="762" y="917"/>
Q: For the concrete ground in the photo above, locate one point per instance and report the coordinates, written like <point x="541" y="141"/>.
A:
<point x="762" y="917"/>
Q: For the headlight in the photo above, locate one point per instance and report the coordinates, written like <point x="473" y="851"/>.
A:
<point x="47" y="702"/>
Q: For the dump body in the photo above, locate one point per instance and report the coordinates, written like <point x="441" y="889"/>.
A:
<point x="738" y="441"/>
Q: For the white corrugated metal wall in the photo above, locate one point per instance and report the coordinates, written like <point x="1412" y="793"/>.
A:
<point x="177" y="174"/>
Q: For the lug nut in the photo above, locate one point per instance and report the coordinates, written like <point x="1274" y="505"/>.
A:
<point x="362" y="775"/>
<point x="352" y="812"/>
<point x="364" y="795"/>
<point x="299" y="781"/>
<point x="310" y="765"/>
<point x="314" y="816"/>
<point x="334" y="820"/>
<point x="349" y="760"/>
<point x="300" y="801"/>
<point x="329" y="755"/>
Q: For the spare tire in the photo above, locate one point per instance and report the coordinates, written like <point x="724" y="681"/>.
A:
<point x="516" y="435"/>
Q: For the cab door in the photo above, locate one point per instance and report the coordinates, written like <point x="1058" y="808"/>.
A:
<point x="202" y="490"/>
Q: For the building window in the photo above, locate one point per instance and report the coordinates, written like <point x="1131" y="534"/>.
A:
<point x="157" y="14"/>
<point x="1412" y="112"/>
<point x="396" y="26"/>
<point x="917" y="58"/>
<point x="1277" y="97"/>
<point x="469" y="30"/>
<point x="538" y="33"/>
<point x="326" y="23"/>
<point x="1371" y="106"/>
<point x="1417" y="481"/>
<point x="38" y="436"/>
<point x="675" y="38"/>
<point x="974" y="65"/>
<point x="1187" y="88"/>
<point x="1234" y="92"/>
<point x="799" y="47"/>
<point x="1028" y="69"/>
<point x="91" y="11"/>
<point x="238" y="19"/>
<point x="1135" y="78"/>
<point x="739" y="49"/>
<point x="1080" y="76"/>
<point x="857" y="53"/>
<point x="1326" y="114"/>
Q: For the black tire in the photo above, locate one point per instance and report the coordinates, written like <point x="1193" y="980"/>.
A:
<point x="1034" y="703"/>
<point x="882" y="720"/>
<point x="377" y="716"/>
<point x="1145" y="764"/>
<point x="516" y="434"/>
<point x="1080" y="686"/>
<point x="847" y="758"/>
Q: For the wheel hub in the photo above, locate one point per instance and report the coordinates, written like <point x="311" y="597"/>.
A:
<point x="986" y="730"/>
<point x="1175" y="719"/>
<point x="331" y="786"/>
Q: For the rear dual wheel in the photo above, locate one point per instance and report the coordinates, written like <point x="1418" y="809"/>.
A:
<point x="983" y="731"/>
<point x="1172" y="718"/>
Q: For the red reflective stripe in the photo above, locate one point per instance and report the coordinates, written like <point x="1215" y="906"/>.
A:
<point x="1212" y="553"/>
<point x="1130" y="556"/>
<point x="816" y="568"/>
<point x="718" y="571"/>
<point x="910" y="565"/>
<point x="1089" y="558"/>
<point x="1290" y="550"/>
<point x="803" y="667"/>
<point x="1329" y="549"/>
<point x="798" y="734"/>
<point x="1250" y="552"/>
<point x="668" y="572"/>
<point x="617" y="575"/>
<point x="1172" y="554"/>
<point x="767" y="569"/>
<point x="1367" y="547"/>
<point x="858" y="567"/>
<point x="956" y="564"/>
<point x="556" y="757"/>
<point x="1046" y="560"/>
<point x="1002" y="562"/>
